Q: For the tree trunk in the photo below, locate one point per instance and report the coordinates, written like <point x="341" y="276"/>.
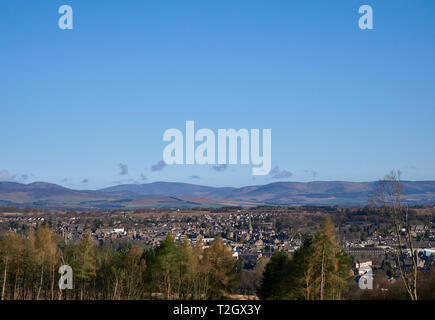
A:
<point x="322" y="276"/>
<point x="4" y="279"/>
<point x="52" y="282"/>
<point x="168" y="287"/>
<point x="15" y="283"/>
<point x="307" y="290"/>
<point x="40" y="283"/>
<point x="116" y="287"/>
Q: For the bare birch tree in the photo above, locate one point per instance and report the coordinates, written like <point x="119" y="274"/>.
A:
<point x="388" y="197"/>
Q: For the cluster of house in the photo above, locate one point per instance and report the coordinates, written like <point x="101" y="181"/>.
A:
<point x="250" y="234"/>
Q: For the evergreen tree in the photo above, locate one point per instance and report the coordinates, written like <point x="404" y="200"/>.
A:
<point x="275" y="277"/>
<point x="162" y="267"/>
<point x="318" y="270"/>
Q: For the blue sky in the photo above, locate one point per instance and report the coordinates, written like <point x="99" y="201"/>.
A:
<point x="79" y="107"/>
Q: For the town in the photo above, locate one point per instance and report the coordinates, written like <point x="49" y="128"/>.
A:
<point x="252" y="234"/>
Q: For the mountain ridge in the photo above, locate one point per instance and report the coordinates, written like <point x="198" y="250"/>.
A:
<point x="178" y="194"/>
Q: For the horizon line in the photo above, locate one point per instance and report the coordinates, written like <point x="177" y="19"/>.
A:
<point x="205" y="185"/>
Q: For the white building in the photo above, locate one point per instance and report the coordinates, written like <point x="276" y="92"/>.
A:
<point x="119" y="231"/>
<point x="363" y="266"/>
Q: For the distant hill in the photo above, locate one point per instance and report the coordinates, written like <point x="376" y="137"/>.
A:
<point x="284" y="193"/>
<point x="170" y="189"/>
<point x="159" y="195"/>
<point x="183" y="195"/>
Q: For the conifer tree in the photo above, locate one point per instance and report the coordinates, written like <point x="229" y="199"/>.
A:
<point x="220" y="266"/>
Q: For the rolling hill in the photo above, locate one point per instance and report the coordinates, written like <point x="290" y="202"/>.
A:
<point x="183" y="195"/>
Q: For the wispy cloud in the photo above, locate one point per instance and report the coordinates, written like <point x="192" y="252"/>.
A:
<point x="123" y="169"/>
<point x="68" y="182"/>
<point x="277" y="173"/>
<point x="5" y="175"/>
<point x="158" y="166"/>
<point x="126" y="181"/>
<point x="219" y="168"/>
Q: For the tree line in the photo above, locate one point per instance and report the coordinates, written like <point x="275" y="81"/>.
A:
<point x="174" y="270"/>
<point x="29" y="263"/>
